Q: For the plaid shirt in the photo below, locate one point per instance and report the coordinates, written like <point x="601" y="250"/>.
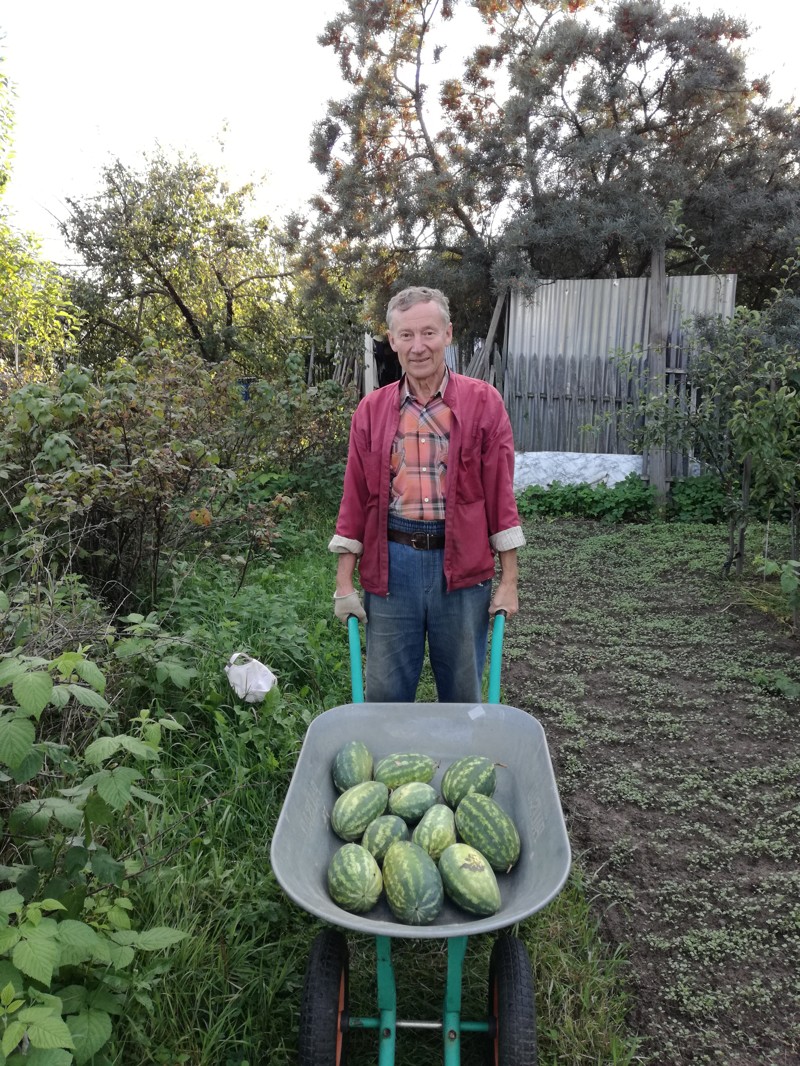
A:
<point x="419" y="458"/>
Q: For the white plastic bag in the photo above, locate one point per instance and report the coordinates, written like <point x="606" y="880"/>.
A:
<point x="249" y="678"/>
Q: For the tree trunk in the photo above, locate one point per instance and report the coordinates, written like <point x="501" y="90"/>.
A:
<point x="658" y="364"/>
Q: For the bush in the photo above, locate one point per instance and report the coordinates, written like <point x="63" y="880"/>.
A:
<point x="116" y="478"/>
<point x="698" y="499"/>
<point x="630" y="500"/>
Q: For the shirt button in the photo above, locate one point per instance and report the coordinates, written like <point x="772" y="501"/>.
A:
<point x="426" y="500"/>
<point x="424" y="470"/>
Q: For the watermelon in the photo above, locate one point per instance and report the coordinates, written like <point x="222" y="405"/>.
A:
<point x="354" y="879"/>
<point x="352" y="765"/>
<point x="381" y="833"/>
<point x="399" y="769"/>
<point x="412" y="884"/>
<point x="469" y="880"/>
<point x="472" y="773"/>
<point x="436" y="831"/>
<point x="484" y="825"/>
<point x="410" y="801"/>
<point x="357" y="807"/>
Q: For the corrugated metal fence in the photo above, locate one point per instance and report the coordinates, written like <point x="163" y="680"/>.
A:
<point x="563" y="380"/>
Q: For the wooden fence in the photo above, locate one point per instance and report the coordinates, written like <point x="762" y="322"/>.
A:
<point x="588" y="404"/>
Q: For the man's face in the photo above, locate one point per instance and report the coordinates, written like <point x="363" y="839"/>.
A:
<point x="419" y="336"/>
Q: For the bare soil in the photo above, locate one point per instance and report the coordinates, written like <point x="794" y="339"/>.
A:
<point x="669" y="710"/>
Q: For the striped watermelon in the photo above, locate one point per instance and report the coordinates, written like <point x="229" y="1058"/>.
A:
<point x="357" y="807"/>
<point x="436" y="831"/>
<point x="472" y="773"/>
<point x="410" y="801"/>
<point x="412" y="884"/>
<point x="381" y="833"/>
<point x="354" y="879"/>
<point x="352" y="765"/>
<point x="399" y="769"/>
<point x="484" y="825"/>
<point x="469" y="880"/>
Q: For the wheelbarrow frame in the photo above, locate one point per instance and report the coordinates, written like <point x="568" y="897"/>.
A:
<point x="455" y="930"/>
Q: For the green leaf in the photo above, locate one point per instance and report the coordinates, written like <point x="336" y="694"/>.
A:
<point x="44" y="1057"/>
<point x="30" y="766"/>
<point x="78" y="942"/>
<point x="9" y="973"/>
<point x="103" y="999"/>
<point x="9" y="938"/>
<point x="116" y="787"/>
<point x="60" y="697"/>
<point x="87" y="697"/>
<point x="65" y="813"/>
<point x="46" y="1029"/>
<point x="91" y="1030"/>
<point x="5" y="603"/>
<point x="29" y="818"/>
<point x="11" y="902"/>
<point x="98" y="811"/>
<point x="101" y="749"/>
<point x="17" y="737"/>
<point x="32" y="691"/>
<point x="9" y="670"/>
<point x="137" y="748"/>
<point x="11" y="1037"/>
<point x="37" y="955"/>
<point x="73" y="998"/>
<point x="159" y="937"/>
<point x="91" y="674"/>
<point x="107" y="869"/>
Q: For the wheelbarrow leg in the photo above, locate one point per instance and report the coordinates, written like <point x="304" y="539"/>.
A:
<point x="387" y="1002"/>
<point x="451" y="1018"/>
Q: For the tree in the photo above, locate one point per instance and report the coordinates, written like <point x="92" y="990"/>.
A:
<point x="36" y="316"/>
<point x="556" y="153"/>
<point x="173" y="254"/>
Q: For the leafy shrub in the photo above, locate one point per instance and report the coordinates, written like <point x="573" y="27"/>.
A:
<point x="630" y="500"/>
<point x="67" y="936"/>
<point x="698" y="499"/>
<point x="115" y="478"/>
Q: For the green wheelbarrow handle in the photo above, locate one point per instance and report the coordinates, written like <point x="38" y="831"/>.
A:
<point x="495" y="659"/>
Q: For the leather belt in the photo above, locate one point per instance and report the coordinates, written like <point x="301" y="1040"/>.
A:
<point x="421" y="541"/>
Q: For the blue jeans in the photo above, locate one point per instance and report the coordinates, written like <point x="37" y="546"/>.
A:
<point x="418" y="604"/>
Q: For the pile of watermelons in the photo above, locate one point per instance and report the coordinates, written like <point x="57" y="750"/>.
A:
<point x="406" y="842"/>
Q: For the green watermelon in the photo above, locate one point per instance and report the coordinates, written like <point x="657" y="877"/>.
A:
<point x="381" y="833"/>
<point x="469" y="880"/>
<point x="412" y="884"/>
<point x="354" y="879"/>
<point x="357" y="807"/>
<point x="399" y="769"/>
<point x="410" y="801"/>
<point x="484" y="825"/>
<point x="436" y="831"/>
<point x="352" y="765"/>
<point x="472" y="773"/>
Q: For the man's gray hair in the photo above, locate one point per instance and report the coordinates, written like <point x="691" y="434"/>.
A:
<point x="418" y="294"/>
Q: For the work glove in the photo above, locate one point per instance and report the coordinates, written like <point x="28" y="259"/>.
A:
<point x="344" y="606"/>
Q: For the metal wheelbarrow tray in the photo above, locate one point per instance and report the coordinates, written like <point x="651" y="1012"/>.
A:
<point x="304" y="843"/>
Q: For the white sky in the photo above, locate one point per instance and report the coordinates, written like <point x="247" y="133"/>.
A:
<point x="98" y="79"/>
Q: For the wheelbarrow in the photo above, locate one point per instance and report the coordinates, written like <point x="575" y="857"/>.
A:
<point x="303" y="845"/>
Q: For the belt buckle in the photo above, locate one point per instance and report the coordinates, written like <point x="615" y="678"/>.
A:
<point x="420" y="547"/>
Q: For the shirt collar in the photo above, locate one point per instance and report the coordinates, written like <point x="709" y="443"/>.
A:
<point x="406" y="394"/>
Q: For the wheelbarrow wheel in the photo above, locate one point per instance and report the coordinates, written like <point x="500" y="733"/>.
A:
<point x="512" y="1007"/>
<point x="324" y="1006"/>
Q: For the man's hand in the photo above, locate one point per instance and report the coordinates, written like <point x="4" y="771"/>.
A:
<point x="505" y="599"/>
<point x="505" y="595"/>
<point x="350" y="603"/>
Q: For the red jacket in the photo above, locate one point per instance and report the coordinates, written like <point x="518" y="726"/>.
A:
<point x="481" y="512"/>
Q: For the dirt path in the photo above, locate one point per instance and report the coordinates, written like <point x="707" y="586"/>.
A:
<point x="678" y="761"/>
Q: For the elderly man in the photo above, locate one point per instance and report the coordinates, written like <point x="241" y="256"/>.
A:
<point x="428" y="503"/>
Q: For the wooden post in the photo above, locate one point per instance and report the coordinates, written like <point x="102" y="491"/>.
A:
<point x="657" y="454"/>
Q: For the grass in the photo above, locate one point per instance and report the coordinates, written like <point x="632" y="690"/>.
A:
<point x="230" y="993"/>
<point x="667" y="703"/>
